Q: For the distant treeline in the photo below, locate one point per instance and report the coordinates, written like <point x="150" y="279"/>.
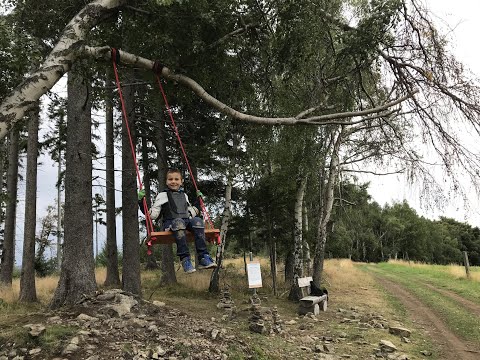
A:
<point x="360" y="229"/>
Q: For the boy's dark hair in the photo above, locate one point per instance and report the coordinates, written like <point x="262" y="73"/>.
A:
<point x="174" y="171"/>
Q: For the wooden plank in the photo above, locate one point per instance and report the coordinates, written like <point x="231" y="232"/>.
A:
<point x="311" y="300"/>
<point x="305" y="281"/>
<point x="166" y="237"/>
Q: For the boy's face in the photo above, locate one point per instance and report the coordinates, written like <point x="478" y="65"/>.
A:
<point x="174" y="181"/>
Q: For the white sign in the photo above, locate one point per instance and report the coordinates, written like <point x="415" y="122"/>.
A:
<point x="254" y="275"/>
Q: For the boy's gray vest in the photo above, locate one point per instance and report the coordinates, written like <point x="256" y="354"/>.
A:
<point x="176" y="207"/>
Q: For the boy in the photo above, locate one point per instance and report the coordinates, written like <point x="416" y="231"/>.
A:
<point x="179" y="215"/>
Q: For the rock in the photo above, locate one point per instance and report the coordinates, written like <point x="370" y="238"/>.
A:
<point x="214" y="334"/>
<point x="124" y="307"/>
<point x="328" y="348"/>
<point x="106" y="297"/>
<point x="387" y="346"/>
<point x="35" y="351"/>
<point x="290" y="322"/>
<point x="85" y="317"/>
<point x="426" y="353"/>
<point x="399" y="331"/>
<point x="36" y="330"/>
<point x="159" y="304"/>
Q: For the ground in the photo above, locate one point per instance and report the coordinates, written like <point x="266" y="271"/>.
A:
<point x="184" y="323"/>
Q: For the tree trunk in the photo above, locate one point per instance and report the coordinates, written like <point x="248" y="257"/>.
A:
<point x="167" y="261"/>
<point x="8" y="254"/>
<point x="113" y="275"/>
<point x="295" y="293"/>
<point x="77" y="277"/>
<point x="226" y="216"/>
<point x="289" y="266"/>
<point x="131" y="281"/>
<point x="28" y="291"/>
<point x="306" y="246"/>
<point x="326" y="211"/>
<point x="151" y="261"/>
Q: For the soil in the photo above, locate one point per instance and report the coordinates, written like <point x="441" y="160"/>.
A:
<point x="467" y="304"/>
<point x="450" y="346"/>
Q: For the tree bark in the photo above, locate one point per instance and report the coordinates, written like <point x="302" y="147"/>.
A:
<point x="226" y="216"/>
<point x="295" y="293"/>
<point x="28" y="291"/>
<point x="306" y="246"/>
<point x="77" y="277"/>
<point x="326" y="210"/>
<point x="167" y="261"/>
<point x="151" y="261"/>
<point x="131" y="281"/>
<point x="8" y="254"/>
<point x="113" y="275"/>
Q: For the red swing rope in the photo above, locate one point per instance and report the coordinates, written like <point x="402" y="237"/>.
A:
<point x="149" y="223"/>
<point x="175" y="128"/>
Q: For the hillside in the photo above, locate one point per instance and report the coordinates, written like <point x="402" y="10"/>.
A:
<point x="184" y="322"/>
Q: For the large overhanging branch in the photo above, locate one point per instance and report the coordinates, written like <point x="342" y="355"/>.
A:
<point x="71" y="46"/>
<point x="327" y="119"/>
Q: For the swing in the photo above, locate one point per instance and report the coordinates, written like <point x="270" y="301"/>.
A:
<point x="163" y="237"/>
<point x="166" y="237"/>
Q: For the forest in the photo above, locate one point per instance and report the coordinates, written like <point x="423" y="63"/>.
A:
<point x="280" y="104"/>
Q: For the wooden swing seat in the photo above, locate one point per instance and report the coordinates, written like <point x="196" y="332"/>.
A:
<point x="166" y="237"/>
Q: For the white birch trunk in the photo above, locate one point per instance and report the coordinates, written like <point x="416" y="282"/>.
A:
<point x="58" y="62"/>
<point x="226" y="216"/>
<point x="298" y="238"/>
<point x="328" y="199"/>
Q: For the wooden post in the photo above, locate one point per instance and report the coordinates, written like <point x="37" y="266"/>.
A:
<point x="467" y="265"/>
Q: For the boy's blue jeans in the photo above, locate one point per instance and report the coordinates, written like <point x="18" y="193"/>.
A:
<point x="179" y="226"/>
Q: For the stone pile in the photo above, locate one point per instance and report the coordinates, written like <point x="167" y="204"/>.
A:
<point x="227" y="304"/>
<point x="277" y="323"/>
<point x="256" y="320"/>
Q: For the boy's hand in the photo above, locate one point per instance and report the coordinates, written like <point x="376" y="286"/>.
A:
<point x="193" y="211"/>
<point x="141" y="194"/>
<point x="199" y="193"/>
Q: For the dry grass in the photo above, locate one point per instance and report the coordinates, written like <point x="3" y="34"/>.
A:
<point x="457" y="271"/>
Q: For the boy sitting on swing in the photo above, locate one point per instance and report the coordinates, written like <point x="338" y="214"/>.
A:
<point x="179" y="215"/>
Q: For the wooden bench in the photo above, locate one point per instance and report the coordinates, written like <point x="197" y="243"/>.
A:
<point x="309" y="303"/>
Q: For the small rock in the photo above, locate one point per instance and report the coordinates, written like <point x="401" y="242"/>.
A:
<point x="387" y="346"/>
<point x="214" y="334"/>
<point x="159" y="303"/>
<point x="426" y="353"/>
<point x="85" y="317"/>
<point x="35" y="351"/>
<point x="399" y="331"/>
<point x="36" y="330"/>
<point x="290" y="322"/>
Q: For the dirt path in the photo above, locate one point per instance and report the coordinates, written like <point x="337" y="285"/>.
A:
<point x="450" y="345"/>
<point x="467" y="304"/>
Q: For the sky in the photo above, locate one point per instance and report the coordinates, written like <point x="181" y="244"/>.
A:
<point x="460" y="19"/>
<point x="460" y="16"/>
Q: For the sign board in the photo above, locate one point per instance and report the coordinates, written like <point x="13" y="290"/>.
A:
<point x="254" y="275"/>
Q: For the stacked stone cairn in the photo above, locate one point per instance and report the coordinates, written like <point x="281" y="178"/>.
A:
<point x="227" y="304"/>
<point x="256" y="320"/>
<point x="277" y="323"/>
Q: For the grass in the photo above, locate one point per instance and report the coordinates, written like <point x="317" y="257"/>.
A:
<point x="414" y="277"/>
<point x="448" y="277"/>
<point x="348" y="285"/>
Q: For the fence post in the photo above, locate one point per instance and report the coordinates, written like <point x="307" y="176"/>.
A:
<point x="467" y="265"/>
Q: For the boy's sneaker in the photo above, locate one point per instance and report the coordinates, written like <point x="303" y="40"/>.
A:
<point x="206" y="262"/>
<point x="187" y="265"/>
